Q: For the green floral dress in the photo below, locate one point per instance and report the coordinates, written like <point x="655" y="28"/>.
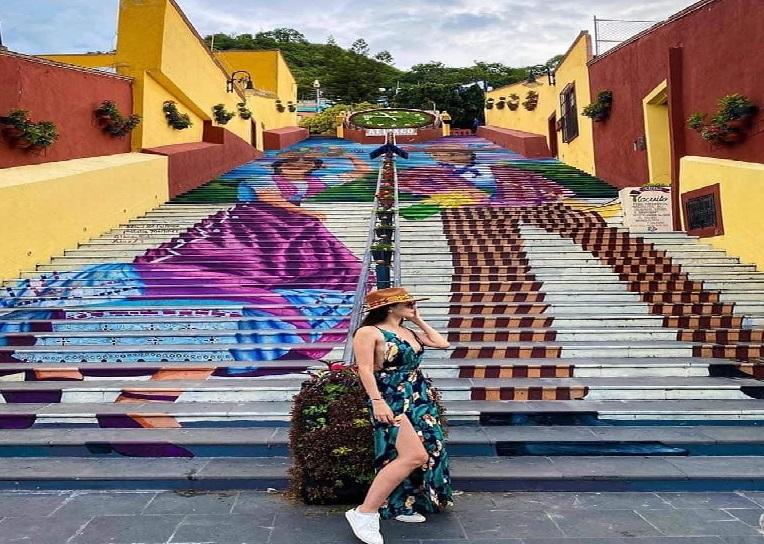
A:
<point x="407" y="391"/>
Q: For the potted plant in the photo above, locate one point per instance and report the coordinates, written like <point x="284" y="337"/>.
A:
<point x="514" y="102"/>
<point x="599" y="110"/>
<point x="384" y="231"/>
<point x="25" y="134"/>
<point x="279" y="106"/>
<point x="385" y="217"/>
<point x="489" y="104"/>
<point x="382" y="251"/>
<point x="736" y="111"/>
<point x="177" y="120"/>
<point x="501" y="103"/>
<point x="244" y="111"/>
<point x="221" y="115"/>
<point x="111" y="120"/>
<point x="291" y="106"/>
<point x="531" y="100"/>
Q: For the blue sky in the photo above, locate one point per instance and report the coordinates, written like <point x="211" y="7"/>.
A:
<point x="455" y="32"/>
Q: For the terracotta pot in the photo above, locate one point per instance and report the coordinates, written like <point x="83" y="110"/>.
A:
<point x="12" y="133"/>
<point x="731" y="137"/>
<point x="740" y="123"/>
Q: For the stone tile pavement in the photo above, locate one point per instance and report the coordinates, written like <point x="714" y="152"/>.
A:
<point x="249" y="517"/>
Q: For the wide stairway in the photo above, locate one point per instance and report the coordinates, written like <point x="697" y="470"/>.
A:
<point x="165" y="353"/>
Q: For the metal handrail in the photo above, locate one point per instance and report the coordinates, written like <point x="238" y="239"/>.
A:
<point x="396" y="226"/>
<point x="363" y="278"/>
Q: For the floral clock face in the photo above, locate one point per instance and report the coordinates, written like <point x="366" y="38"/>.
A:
<point x="392" y="118"/>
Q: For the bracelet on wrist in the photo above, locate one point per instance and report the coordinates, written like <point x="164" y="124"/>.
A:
<point x="378" y="399"/>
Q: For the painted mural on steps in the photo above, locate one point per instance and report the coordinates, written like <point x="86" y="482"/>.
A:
<point x="264" y="263"/>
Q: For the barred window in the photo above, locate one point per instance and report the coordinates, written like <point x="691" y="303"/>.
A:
<point x="569" y="113"/>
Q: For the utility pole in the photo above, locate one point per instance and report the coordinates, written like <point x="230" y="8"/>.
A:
<point x="2" y="47"/>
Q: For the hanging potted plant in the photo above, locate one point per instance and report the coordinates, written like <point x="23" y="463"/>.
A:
<point x="382" y="251"/>
<point x="244" y="111"/>
<point x="291" y="106"/>
<point x="111" y="120"/>
<point x="531" y="100"/>
<point x="22" y="133"/>
<point x="489" y="104"/>
<point x="501" y="103"/>
<point x="177" y="120"/>
<point x="733" y="117"/>
<point x="599" y="110"/>
<point x="514" y="102"/>
<point x="279" y="106"/>
<point x="221" y="115"/>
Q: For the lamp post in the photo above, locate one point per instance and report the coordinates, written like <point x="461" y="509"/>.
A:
<point x="535" y="71"/>
<point x="317" y="86"/>
<point x="246" y="79"/>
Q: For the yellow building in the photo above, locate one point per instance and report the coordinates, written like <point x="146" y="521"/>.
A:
<point x="159" y="48"/>
<point x="571" y="139"/>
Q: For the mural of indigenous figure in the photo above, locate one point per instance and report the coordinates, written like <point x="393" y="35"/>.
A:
<point x="264" y="256"/>
<point x="452" y="175"/>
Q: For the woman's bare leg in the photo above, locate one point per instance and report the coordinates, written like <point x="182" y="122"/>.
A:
<point x="411" y="454"/>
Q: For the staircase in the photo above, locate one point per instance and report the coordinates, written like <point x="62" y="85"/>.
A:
<point x="165" y="353"/>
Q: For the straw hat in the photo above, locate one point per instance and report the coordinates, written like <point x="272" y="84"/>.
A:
<point x="386" y="297"/>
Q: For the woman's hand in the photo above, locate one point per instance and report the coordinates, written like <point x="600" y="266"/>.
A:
<point x="382" y="412"/>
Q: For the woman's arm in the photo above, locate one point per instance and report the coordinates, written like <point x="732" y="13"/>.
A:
<point x="364" y="348"/>
<point x="433" y="338"/>
<point x="274" y="198"/>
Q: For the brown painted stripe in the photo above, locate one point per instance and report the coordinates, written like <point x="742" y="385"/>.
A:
<point x="155" y="421"/>
<point x="528" y="393"/>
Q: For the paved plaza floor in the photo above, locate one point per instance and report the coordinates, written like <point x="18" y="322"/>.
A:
<point x="232" y="517"/>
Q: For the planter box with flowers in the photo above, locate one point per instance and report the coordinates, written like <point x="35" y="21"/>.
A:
<point x="382" y="252"/>
<point x="600" y="109"/>
<point x="177" y="120"/>
<point x="22" y="133"/>
<point x="531" y="100"/>
<point x="112" y="122"/>
<point x="733" y="118"/>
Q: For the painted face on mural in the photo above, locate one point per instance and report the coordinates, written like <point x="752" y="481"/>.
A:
<point x="297" y="168"/>
<point x="455" y="157"/>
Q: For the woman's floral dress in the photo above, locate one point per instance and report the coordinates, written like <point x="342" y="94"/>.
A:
<point x="407" y="391"/>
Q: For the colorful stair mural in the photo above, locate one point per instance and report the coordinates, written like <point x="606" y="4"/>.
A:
<point x="185" y="332"/>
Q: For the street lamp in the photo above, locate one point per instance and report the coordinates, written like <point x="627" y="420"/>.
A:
<point x="536" y="71"/>
<point x="245" y="79"/>
<point x="317" y="86"/>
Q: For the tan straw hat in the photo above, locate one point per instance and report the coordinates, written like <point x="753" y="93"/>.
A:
<point x="385" y="297"/>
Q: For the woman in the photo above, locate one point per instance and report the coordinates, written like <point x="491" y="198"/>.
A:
<point x="410" y="458"/>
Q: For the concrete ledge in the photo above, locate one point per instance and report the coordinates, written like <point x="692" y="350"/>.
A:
<point x="527" y="144"/>
<point x="193" y="164"/>
<point x="279" y="138"/>
<point x="47" y="208"/>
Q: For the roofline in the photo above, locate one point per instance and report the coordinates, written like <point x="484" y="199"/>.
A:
<point x="58" y="64"/>
<point x="680" y="14"/>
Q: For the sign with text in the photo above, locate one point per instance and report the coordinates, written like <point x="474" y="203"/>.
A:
<point x="396" y="131"/>
<point x="647" y="208"/>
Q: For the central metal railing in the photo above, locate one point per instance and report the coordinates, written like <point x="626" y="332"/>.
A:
<point x="363" y="285"/>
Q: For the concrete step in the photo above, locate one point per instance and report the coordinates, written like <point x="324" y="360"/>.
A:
<point x="550" y="473"/>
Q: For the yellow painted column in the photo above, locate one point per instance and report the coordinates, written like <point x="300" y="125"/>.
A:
<point x="340" y="120"/>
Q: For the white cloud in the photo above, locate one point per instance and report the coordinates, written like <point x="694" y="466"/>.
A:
<point x="456" y="32"/>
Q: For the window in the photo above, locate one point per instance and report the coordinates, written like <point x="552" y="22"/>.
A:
<point x="703" y="212"/>
<point x="569" y="113"/>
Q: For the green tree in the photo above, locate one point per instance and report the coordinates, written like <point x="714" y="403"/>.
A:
<point x="360" y="47"/>
<point x="384" y="56"/>
<point x="325" y="122"/>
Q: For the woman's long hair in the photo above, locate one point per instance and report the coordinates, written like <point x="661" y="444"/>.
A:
<point x="374" y="317"/>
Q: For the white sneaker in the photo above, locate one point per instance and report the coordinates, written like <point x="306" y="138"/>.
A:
<point x="365" y="526"/>
<point x="416" y="517"/>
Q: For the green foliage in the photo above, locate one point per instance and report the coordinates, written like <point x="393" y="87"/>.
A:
<point x="25" y="133"/>
<point x="325" y="122"/>
<point x="221" y="115"/>
<point x="599" y="110"/>
<point x="111" y="120"/>
<point x="331" y="440"/>
<point x="177" y="120"/>
<point x="244" y="112"/>
<point x="463" y="104"/>
<point x="392" y="118"/>
<point x="728" y="125"/>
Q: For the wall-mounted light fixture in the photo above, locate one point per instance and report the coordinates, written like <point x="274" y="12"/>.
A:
<point x="245" y="79"/>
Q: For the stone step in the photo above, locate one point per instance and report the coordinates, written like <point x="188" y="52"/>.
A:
<point x="550" y="473"/>
<point x="241" y="390"/>
<point x="547" y="412"/>
<point x="473" y="441"/>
